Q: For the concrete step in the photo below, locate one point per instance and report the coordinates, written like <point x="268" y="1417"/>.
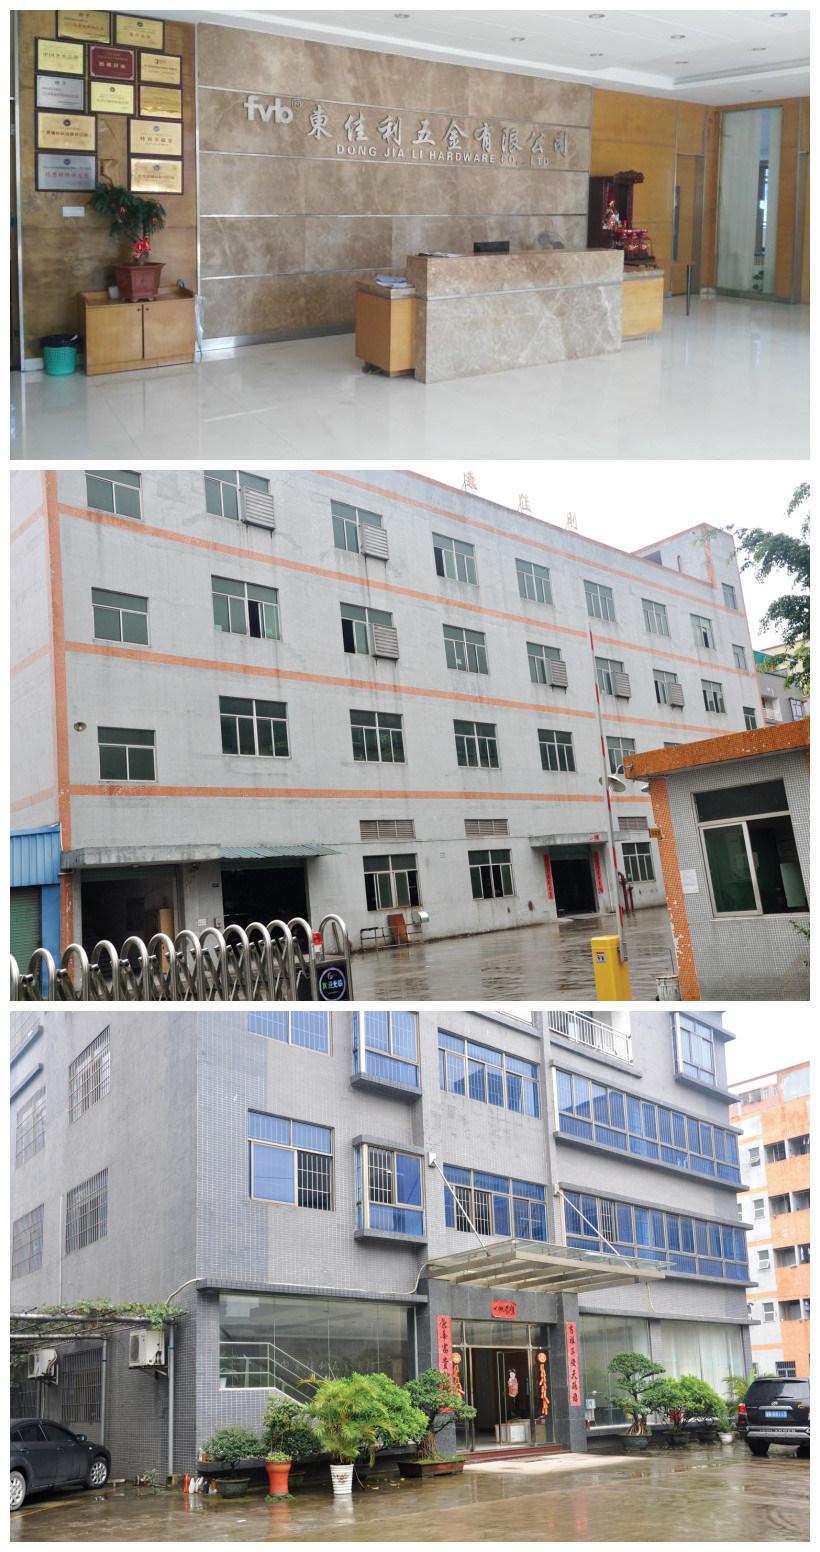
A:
<point x="514" y="1452"/>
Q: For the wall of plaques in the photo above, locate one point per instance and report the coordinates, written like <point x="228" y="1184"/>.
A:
<point x="103" y="63"/>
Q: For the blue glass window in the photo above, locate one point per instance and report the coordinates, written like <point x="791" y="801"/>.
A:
<point x="308" y="1029"/>
<point x="391" y="1183"/>
<point x="488" y="1076"/>
<point x="690" y="1246"/>
<point x="496" y="1204"/>
<point x="290" y="1161"/>
<point x="389" y="1048"/>
<point x="613" y="1119"/>
<point x="696" y="1050"/>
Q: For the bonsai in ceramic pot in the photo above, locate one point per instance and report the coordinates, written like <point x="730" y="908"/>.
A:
<point x="137" y="219"/>
<point x="232" y="1447"/>
<point x="359" y="1415"/>
<point x="635" y="1392"/>
<point x="703" y="1407"/>
<point x="278" y="1467"/>
<point x="436" y="1395"/>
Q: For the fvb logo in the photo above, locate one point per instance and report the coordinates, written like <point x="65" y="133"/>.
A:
<point x="276" y="111"/>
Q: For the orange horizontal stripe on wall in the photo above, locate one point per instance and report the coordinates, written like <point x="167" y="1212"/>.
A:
<point x="33" y="657"/>
<point x="32" y="799"/>
<point x="151" y="790"/>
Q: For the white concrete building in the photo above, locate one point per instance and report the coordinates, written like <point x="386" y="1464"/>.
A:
<point x="255" y="696"/>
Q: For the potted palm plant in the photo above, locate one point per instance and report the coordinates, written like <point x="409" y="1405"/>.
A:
<point x="137" y="219"/>
<point x="359" y="1415"/>
<point x="436" y="1395"/>
<point x="636" y="1393"/>
<point x="736" y="1387"/>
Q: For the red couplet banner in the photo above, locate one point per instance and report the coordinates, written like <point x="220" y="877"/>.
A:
<point x="444" y="1328"/>
<point x="573" y="1365"/>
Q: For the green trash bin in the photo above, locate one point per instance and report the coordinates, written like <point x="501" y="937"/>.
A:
<point x="60" y="354"/>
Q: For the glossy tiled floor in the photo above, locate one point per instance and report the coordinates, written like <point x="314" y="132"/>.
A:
<point x="730" y="381"/>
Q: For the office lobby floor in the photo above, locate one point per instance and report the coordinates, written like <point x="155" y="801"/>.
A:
<point x="729" y="381"/>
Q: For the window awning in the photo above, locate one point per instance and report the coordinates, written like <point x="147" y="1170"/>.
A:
<point x="150" y="856"/>
<point x="519" y="1264"/>
<point x="575" y="838"/>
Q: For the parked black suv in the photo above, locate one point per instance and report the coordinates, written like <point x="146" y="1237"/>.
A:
<point x="775" y="1412"/>
<point x="44" y="1455"/>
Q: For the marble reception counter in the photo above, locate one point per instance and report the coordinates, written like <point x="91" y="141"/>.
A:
<point x="491" y="312"/>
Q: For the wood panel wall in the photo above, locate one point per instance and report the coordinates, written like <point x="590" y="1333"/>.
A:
<point x="65" y="255"/>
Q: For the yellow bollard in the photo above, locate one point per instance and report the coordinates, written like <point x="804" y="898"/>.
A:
<point x="611" y="971"/>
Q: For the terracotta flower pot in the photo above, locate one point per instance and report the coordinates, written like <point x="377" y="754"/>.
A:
<point x="138" y="282"/>
<point x="278" y="1473"/>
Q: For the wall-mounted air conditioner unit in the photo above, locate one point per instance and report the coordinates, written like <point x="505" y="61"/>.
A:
<point x="146" y="1349"/>
<point x="256" y="508"/>
<point x="43" y="1365"/>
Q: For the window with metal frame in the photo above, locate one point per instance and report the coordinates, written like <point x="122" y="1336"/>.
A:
<point x="492" y="1077"/>
<point x="89" y="1075"/>
<point x="391" y="881"/>
<point x="290" y="1161"/>
<point x="538" y="656"/>
<point x="729" y="596"/>
<point x="655" y="617"/>
<point x="389" y="1195"/>
<point x="80" y="1387"/>
<point x="703" y="631"/>
<point x="785" y="1368"/>
<point x="127" y="754"/>
<point x="663" y="679"/>
<point x="119" y="616"/>
<point x="713" y="695"/>
<point x="638" y="865"/>
<point x="491" y="875"/>
<point x="386" y="1045"/>
<point x="222" y="487"/>
<point x="300" y="1027"/>
<point x="600" y="601"/>
<point x="533" y="581"/>
<point x="254" y="727"/>
<point x="476" y="744"/>
<point x="86" y="1213"/>
<point x="692" y="1247"/>
<point x="496" y="1204"/>
<point x="749" y="718"/>
<point x="117" y="491"/>
<point x="595" y="1112"/>
<point x="346" y="523"/>
<point x="605" y="670"/>
<point x="617" y="749"/>
<point x="378" y="736"/>
<point x="465" y="650"/>
<point x="30" y="1129"/>
<point x="557" y="750"/>
<point x="767" y="1307"/>
<point x="695" y="1049"/>
<point x="454" y="559"/>
<point x="27" y="1242"/>
<point x="356" y="624"/>
<point x="797" y="708"/>
<point x="739" y="655"/>
<point x="750" y="850"/>
<point x="245" y="608"/>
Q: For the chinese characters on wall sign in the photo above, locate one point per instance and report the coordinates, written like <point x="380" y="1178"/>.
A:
<point x="504" y="1309"/>
<point x="444" y="1330"/>
<point x="573" y="1365"/>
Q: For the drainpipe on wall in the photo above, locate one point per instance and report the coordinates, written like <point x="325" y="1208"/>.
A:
<point x="103" y="1389"/>
<point x="171" y="1376"/>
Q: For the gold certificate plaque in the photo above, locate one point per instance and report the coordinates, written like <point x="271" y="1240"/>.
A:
<point x="165" y="68"/>
<point x="160" y="102"/>
<point x="90" y="26"/>
<point x="139" y="30"/>
<point x="111" y="97"/>
<point x="66" y="132"/>
<point x="155" y="137"/>
<point x="161" y="177"/>
<point x="55" y="58"/>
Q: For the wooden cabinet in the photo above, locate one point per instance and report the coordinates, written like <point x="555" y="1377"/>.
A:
<point x="642" y="312"/>
<point x="121" y="336"/>
<point x="386" y="328"/>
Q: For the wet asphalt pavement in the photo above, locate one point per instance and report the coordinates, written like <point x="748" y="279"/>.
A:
<point x="552" y="960"/>
<point x="702" y="1494"/>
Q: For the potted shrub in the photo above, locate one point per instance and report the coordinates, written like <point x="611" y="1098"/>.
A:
<point x="637" y="1384"/>
<point x="359" y="1415"/>
<point x="231" y="1448"/>
<point x="278" y="1467"/>
<point x="287" y="1429"/>
<point x="436" y="1395"/>
<point x="667" y="1398"/>
<point x="736" y="1386"/>
<point x="702" y="1405"/>
<point x="137" y="219"/>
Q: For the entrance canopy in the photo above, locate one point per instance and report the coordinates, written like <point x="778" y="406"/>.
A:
<point x="137" y="856"/>
<point x="575" y="838"/>
<point x="519" y="1264"/>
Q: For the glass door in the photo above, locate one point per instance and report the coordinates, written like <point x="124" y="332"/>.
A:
<point x="748" y="201"/>
<point x="514" y="1396"/>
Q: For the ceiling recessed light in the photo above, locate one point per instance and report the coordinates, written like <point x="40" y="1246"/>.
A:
<point x="401" y="16"/>
<point x="778" y="13"/>
<point x="681" y="61"/>
<point x="518" y="40"/>
<point x="757" y="51"/>
<point x="676" y="36"/>
<point x="596" y="56"/>
<point x="596" y="16"/>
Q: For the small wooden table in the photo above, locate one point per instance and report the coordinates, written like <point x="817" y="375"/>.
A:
<point x="121" y="336"/>
<point x="386" y="327"/>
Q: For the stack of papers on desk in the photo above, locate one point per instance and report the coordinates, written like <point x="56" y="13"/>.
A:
<point x="397" y="282"/>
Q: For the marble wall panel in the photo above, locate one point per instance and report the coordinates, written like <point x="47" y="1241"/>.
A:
<point x="255" y="246"/>
<point x="254" y="306"/>
<point x="251" y="185"/>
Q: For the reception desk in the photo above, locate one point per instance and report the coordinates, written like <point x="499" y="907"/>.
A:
<point x="643" y="303"/>
<point x="490" y="312"/>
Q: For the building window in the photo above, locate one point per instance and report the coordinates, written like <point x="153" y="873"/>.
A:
<point x="750" y="718"/>
<point x="476" y="743"/>
<point x="391" y="882"/>
<point x="86" y="1213"/>
<point x="538" y="657"/>
<point x="713" y="695"/>
<point x="490" y="874"/>
<point x="30" y="1131"/>
<point x="797" y="709"/>
<point x="692" y="1247"/>
<point x="533" y="582"/>
<point x="388" y="1190"/>
<point x="764" y="1261"/>
<point x="557" y="751"/>
<point x="346" y="523"/>
<point x="222" y="487"/>
<point x="377" y="736"/>
<point x="729" y="596"/>
<point x="357" y="626"/>
<point x="768" y="1312"/>
<point x="696" y="1050"/>
<point x="465" y="650"/>
<point x="245" y="608"/>
<point x="119" y="616"/>
<point x="385" y="1045"/>
<point x="605" y="670"/>
<point x="254" y="727"/>
<point x="655" y="617"/>
<point x="495" y="1204"/>
<point x="785" y="1368"/>
<point x="310" y="1030"/>
<point x="594" y="1112"/>
<point x="114" y="490"/>
<point x="81" y="1385"/>
<point x="600" y="601"/>
<point x="775" y="1152"/>
<point x="798" y="1147"/>
<point x="617" y="749"/>
<point x="790" y="1309"/>
<point x="290" y="1161"/>
<point x="754" y="1157"/>
<point x="89" y="1076"/>
<point x="780" y="1205"/>
<point x="759" y="1208"/>
<point x="454" y="559"/>
<point x="493" y="1077"/>
<point x="739" y="655"/>
<point x="703" y="631"/>
<point x="260" y="1336"/>
<point x="27" y="1243"/>
<point x="663" y="680"/>
<point x="126" y="754"/>
<point x="638" y="867"/>
<point x="750" y="850"/>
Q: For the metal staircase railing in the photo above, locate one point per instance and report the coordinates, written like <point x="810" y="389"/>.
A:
<point x="268" y="1366"/>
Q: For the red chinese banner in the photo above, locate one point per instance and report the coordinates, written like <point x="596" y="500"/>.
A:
<point x="504" y="1309"/>
<point x="444" y="1328"/>
<point x="596" y="862"/>
<point x="543" y="1393"/>
<point x="548" y="873"/>
<point x="573" y="1365"/>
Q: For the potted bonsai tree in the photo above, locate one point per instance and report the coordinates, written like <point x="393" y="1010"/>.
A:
<point x="359" y="1415"/>
<point x="436" y="1395"/>
<point x="636" y="1393"/>
<point x="231" y="1448"/>
<point x="137" y="219"/>
<point x="668" y="1398"/>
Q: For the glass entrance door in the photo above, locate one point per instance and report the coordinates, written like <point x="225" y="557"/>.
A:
<point x="748" y="201"/>
<point x="513" y="1396"/>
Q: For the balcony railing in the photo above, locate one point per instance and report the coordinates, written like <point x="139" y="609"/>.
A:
<point x="590" y="1032"/>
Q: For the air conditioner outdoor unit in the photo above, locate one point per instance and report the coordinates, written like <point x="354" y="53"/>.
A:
<point x="373" y="541"/>
<point x="256" y="508"/>
<point x="43" y="1365"/>
<point x="146" y="1349"/>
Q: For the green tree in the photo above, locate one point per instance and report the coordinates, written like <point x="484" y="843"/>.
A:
<point x="362" y="1413"/>
<point x="436" y="1395"/>
<point x="765" y="552"/>
<point x="287" y="1429"/>
<point x="637" y="1381"/>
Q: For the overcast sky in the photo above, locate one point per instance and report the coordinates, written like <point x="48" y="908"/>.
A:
<point x="630" y="504"/>
<point x="769" y="1036"/>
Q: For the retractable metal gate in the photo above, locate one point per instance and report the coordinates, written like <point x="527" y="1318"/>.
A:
<point x="280" y="962"/>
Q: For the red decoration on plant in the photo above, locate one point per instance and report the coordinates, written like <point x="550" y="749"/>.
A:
<point x="141" y="249"/>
